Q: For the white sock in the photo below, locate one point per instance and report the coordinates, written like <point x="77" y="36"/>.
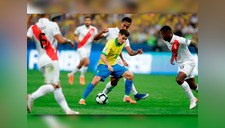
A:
<point x="74" y="71"/>
<point x="43" y="90"/>
<point x="83" y="71"/>
<point x="126" y="96"/>
<point x="133" y="89"/>
<point x="108" y="88"/>
<point x="59" y="97"/>
<point x="188" y="91"/>
<point x="196" y="88"/>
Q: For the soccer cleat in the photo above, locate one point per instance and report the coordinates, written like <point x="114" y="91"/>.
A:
<point x="82" y="102"/>
<point x="82" y="80"/>
<point x="29" y="103"/>
<point x="71" y="112"/>
<point x="139" y="96"/>
<point x="70" y="78"/>
<point x="193" y="103"/>
<point x="128" y="99"/>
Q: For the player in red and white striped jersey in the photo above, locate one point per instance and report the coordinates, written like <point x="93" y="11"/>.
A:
<point x="180" y="52"/>
<point x="46" y="34"/>
<point x="86" y="34"/>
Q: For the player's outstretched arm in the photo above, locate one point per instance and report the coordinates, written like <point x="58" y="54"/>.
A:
<point x="193" y="44"/>
<point x="103" y="58"/>
<point x="100" y="35"/>
<point x="133" y="53"/>
<point x="61" y="40"/>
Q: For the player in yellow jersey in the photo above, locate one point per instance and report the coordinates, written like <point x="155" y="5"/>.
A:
<point x="108" y="66"/>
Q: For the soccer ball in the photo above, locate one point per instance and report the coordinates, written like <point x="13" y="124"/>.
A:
<point x="101" y="98"/>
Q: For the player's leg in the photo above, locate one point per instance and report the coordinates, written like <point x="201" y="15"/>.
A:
<point x="101" y="74"/>
<point x="137" y="96"/>
<point x="41" y="91"/>
<point x="128" y="85"/>
<point x="70" y="75"/>
<point x="83" y="70"/>
<point x="181" y="81"/>
<point x="58" y="94"/>
<point x="111" y="84"/>
<point x="192" y="84"/>
<point x="89" y="89"/>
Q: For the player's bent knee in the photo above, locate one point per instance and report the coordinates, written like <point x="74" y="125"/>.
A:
<point x="130" y="76"/>
<point x="113" y="83"/>
<point x="179" y="81"/>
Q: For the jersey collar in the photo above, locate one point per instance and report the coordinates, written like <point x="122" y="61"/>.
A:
<point x="117" y="45"/>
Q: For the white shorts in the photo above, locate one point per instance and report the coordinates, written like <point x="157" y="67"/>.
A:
<point x="187" y="67"/>
<point x="83" y="53"/>
<point x="51" y="72"/>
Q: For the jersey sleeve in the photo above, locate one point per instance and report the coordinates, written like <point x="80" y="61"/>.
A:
<point x="106" y="34"/>
<point x="127" y="43"/>
<point x="107" y="48"/>
<point x="77" y="31"/>
<point x="30" y="32"/>
<point x="56" y="29"/>
<point x="184" y="41"/>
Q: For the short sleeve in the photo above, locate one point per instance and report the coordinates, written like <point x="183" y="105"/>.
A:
<point x="127" y="43"/>
<point x="184" y="41"/>
<point x="30" y="32"/>
<point x="107" y="48"/>
<point x="77" y="31"/>
<point x="56" y="29"/>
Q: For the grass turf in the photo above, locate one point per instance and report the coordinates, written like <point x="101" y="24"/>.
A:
<point x="165" y="96"/>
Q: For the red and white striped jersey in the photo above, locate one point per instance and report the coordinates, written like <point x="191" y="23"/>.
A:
<point x="86" y="36"/>
<point x="43" y="33"/>
<point x="179" y="47"/>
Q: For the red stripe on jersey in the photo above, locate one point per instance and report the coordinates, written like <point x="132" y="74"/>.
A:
<point x="175" y="48"/>
<point x="86" y="37"/>
<point x="49" y="49"/>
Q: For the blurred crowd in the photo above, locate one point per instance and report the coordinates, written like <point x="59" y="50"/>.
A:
<point x="144" y="28"/>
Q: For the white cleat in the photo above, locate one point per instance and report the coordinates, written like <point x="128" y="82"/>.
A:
<point x="29" y="103"/>
<point x="193" y="103"/>
<point x="71" y="112"/>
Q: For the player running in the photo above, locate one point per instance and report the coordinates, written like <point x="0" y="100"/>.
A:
<point x="112" y="33"/>
<point x="86" y="34"/>
<point x="107" y="65"/>
<point x="180" y="52"/>
<point x="46" y="34"/>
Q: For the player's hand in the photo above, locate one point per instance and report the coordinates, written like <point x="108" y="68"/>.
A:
<point x="125" y="63"/>
<point x="72" y="44"/>
<point x="139" y="51"/>
<point x="105" y="30"/>
<point x="110" y="68"/>
<point x="172" y="61"/>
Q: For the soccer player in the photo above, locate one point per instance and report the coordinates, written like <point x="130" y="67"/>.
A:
<point x="112" y="33"/>
<point x="107" y="65"/>
<point x="180" y="52"/>
<point x="86" y="34"/>
<point x="46" y="34"/>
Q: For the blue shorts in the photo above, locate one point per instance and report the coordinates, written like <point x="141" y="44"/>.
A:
<point x="103" y="72"/>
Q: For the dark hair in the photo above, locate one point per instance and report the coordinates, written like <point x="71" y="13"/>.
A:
<point x="127" y="19"/>
<point x="87" y="17"/>
<point x="166" y="29"/>
<point x="124" y="32"/>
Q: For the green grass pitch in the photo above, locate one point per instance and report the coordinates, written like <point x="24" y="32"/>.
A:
<point x="165" y="96"/>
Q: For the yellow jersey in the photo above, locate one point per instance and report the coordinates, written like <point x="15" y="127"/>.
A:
<point x="111" y="50"/>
